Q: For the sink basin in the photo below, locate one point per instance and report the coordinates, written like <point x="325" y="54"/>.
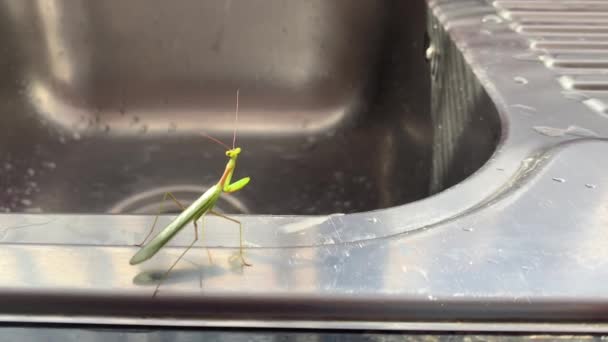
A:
<point x="103" y="105"/>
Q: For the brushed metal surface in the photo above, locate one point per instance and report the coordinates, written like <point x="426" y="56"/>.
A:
<point x="521" y="239"/>
<point x="103" y="104"/>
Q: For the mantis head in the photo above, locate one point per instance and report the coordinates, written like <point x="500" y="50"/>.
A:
<point x="233" y="153"/>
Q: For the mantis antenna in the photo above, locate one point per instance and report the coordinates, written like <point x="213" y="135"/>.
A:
<point x="214" y="140"/>
<point x="236" y="119"/>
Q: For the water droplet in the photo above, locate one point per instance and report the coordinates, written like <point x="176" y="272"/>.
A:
<point x="559" y="180"/>
<point x="49" y="165"/>
<point x="62" y="139"/>
<point x="520" y="80"/>
<point x="8" y="166"/>
<point x="31" y="172"/>
<point x="467" y="229"/>
<point x="172" y="127"/>
<point x="359" y="179"/>
<point x="581" y="132"/>
<point x="549" y="131"/>
<point x="491" y="19"/>
<point x="574" y="95"/>
<point x="338" y="175"/>
<point x="521" y="108"/>
<point x="305" y="123"/>
<point x="311" y="139"/>
<point x="76" y="136"/>
<point x="289" y="156"/>
<point x="527" y="56"/>
<point x="430" y="52"/>
<point x="372" y="219"/>
<point x="330" y="133"/>
<point x="590" y="186"/>
<point x="26" y="202"/>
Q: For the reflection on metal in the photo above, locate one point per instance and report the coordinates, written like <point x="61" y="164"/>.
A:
<point x="74" y="118"/>
<point x="298" y="73"/>
<point x="57" y="51"/>
<point x="571" y="39"/>
<point x="63" y="115"/>
<point x="114" y="94"/>
<point x="504" y="243"/>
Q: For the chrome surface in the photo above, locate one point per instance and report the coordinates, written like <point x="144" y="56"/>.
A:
<point x="103" y="104"/>
<point x="563" y="36"/>
<point x="520" y="239"/>
<point x="63" y="334"/>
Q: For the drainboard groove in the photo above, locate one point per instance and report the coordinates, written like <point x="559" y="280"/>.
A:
<point x="551" y="5"/>
<point x="570" y="38"/>
<point x="570" y="45"/>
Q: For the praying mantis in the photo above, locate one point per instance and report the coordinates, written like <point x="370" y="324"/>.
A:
<point x="198" y="209"/>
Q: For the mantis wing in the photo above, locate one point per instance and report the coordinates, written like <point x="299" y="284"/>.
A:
<point x="196" y="209"/>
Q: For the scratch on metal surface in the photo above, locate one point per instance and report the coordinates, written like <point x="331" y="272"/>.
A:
<point x="570" y="130"/>
<point x="5" y="231"/>
<point x="523" y="277"/>
<point x="335" y="229"/>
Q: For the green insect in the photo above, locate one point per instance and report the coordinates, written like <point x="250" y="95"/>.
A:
<point x="197" y="210"/>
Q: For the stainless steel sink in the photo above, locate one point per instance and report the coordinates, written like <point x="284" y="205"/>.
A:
<point x="103" y="104"/>
<point x="415" y="164"/>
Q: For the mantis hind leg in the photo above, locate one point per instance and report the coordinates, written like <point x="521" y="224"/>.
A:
<point x="196" y="238"/>
<point x="241" y="254"/>
<point x="166" y="274"/>
<point x="160" y="210"/>
<point x="202" y="217"/>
